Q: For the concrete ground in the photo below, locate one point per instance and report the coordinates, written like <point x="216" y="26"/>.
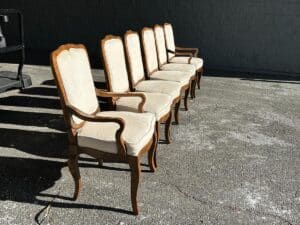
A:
<point x="235" y="159"/>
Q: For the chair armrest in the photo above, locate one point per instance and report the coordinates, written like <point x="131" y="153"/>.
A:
<point x="189" y="54"/>
<point x="103" y="119"/>
<point x="94" y="118"/>
<point x="104" y="93"/>
<point x="195" y="51"/>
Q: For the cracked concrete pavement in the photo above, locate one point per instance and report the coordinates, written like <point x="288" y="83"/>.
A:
<point x="235" y="159"/>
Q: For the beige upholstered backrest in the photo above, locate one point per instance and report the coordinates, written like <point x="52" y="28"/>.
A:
<point x="75" y="72"/>
<point x="115" y="63"/>
<point x="161" y="44"/>
<point x="149" y="47"/>
<point x="134" y="55"/>
<point x="169" y="36"/>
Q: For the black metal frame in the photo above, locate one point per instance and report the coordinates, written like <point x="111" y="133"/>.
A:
<point x="20" y="47"/>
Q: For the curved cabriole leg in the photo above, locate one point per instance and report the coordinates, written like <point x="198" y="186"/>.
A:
<point x="167" y="129"/>
<point x="193" y="88"/>
<point x="200" y="73"/>
<point x="187" y="91"/>
<point x="177" y="105"/>
<point x="134" y="163"/>
<point x="74" y="170"/>
<point x="152" y="154"/>
<point x="157" y="129"/>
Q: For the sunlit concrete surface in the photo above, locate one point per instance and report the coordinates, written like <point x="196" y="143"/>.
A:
<point x="235" y="159"/>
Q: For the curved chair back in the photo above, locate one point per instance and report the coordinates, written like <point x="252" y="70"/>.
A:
<point x="134" y="56"/>
<point x="169" y="37"/>
<point x="115" y="64"/>
<point x="72" y="72"/>
<point x="150" y="52"/>
<point x="160" y="44"/>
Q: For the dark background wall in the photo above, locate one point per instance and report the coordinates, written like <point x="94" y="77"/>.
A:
<point x="260" y="36"/>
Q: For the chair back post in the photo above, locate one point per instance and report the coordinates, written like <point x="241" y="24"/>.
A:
<point x="160" y="44"/>
<point x="150" y="50"/>
<point x="134" y="56"/>
<point x="118" y="80"/>
<point x="170" y="40"/>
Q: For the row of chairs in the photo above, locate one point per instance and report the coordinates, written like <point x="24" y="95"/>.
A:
<point x="142" y="98"/>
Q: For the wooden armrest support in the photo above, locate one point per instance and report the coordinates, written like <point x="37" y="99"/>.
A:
<point x="103" y="119"/>
<point x="195" y="51"/>
<point x="104" y="93"/>
<point x="189" y="54"/>
<point x="94" y="118"/>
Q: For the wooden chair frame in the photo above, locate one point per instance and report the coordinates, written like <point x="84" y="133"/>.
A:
<point x="75" y="150"/>
<point x="176" y="101"/>
<point x="184" y="90"/>
<point x="167" y="118"/>
<point x="183" y="51"/>
<point x="193" y="80"/>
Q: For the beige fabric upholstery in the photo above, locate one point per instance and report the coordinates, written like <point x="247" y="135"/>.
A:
<point x="188" y="69"/>
<point x="134" y="54"/>
<point x="74" y="68"/>
<point x="170" y="42"/>
<point x="197" y="62"/>
<point x="139" y="129"/>
<point x="114" y="57"/>
<point x="165" y="87"/>
<point x="177" y="76"/>
<point x="150" y="50"/>
<point x="156" y="103"/>
<point x="161" y="45"/>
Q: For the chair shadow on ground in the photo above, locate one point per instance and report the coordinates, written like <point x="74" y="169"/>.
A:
<point x="26" y="179"/>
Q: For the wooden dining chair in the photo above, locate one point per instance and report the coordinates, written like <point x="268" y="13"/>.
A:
<point x="110" y="136"/>
<point x="182" y="55"/>
<point x="154" y="69"/>
<point x="117" y="79"/>
<point x="164" y="63"/>
<point x="173" y="89"/>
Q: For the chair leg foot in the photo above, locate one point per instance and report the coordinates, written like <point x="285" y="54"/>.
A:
<point x="187" y="91"/>
<point x="74" y="170"/>
<point x="168" y="128"/>
<point x="176" y="113"/>
<point x="134" y="164"/>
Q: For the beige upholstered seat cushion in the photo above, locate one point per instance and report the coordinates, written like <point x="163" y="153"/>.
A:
<point x="156" y="103"/>
<point x="197" y="62"/>
<point x="139" y="129"/>
<point x="187" y="68"/>
<point x="177" y="76"/>
<point x="156" y="86"/>
<point x="74" y="68"/>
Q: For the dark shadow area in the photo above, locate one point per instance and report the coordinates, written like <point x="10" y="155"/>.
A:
<point x="49" y="82"/>
<point x="23" y="180"/>
<point x="52" y="145"/>
<point x="262" y="77"/>
<point x="53" y="121"/>
<point x="272" y="81"/>
<point x="32" y="102"/>
<point x="45" y="91"/>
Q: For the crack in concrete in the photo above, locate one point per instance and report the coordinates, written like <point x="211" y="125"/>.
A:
<point x="228" y="207"/>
